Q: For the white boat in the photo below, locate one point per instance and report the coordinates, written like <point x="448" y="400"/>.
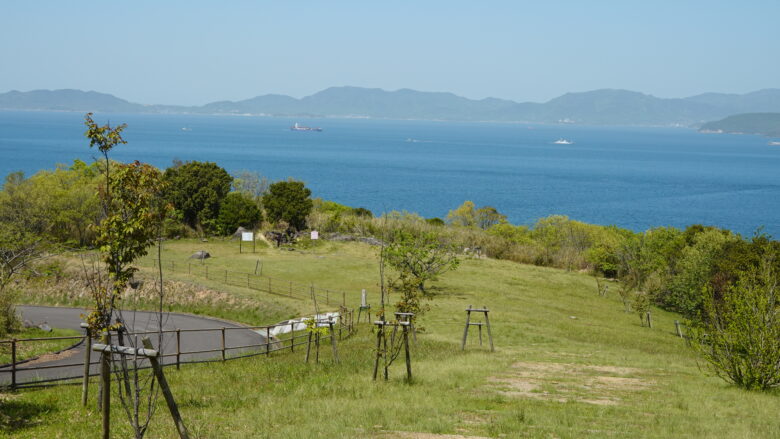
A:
<point x="297" y="127"/>
<point x="774" y="143"/>
<point x="563" y="142"/>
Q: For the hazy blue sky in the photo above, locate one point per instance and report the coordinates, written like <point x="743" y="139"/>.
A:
<point x="193" y="52"/>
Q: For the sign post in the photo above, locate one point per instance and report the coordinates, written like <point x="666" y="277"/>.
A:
<point x="246" y="236"/>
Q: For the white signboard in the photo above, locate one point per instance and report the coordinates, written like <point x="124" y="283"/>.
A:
<point x="247" y="236"/>
<point x="363" y="298"/>
<point x="315" y="234"/>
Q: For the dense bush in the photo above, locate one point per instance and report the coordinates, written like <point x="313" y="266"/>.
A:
<point x="238" y="210"/>
<point x="196" y="190"/>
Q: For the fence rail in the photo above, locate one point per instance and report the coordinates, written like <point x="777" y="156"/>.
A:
<point x="343" y="327"/>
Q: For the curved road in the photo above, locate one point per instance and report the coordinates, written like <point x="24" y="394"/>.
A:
<point x="139" y="321"/>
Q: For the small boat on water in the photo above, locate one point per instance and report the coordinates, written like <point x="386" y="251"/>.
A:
<point x="297" y="127"/>
<point x="563" y="142"/>
<point x="774" y="143"/>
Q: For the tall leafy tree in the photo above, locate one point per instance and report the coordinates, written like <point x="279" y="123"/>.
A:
<point x="238" y="210"/>
<point x="196" y="190"/>
<point x="288" y="201"/>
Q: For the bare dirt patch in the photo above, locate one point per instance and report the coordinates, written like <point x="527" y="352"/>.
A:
<point x="563" y="382"/>
<point x="52" y="357"/>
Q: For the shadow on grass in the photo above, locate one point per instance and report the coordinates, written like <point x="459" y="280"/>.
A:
<point x="17" y="415"/>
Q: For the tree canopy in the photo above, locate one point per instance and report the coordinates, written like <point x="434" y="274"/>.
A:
<point x="288" y="201"/>
<point x="196" y="190"/>
<point x="238" y="210"/>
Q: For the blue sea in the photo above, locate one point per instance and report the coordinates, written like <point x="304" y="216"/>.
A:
<point x="631" y="177"/>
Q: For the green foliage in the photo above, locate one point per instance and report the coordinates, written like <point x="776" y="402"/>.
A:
<point x="288" y="201"/>
<point x="438" y="222"/>
<point x="739" y="333"/>
<point x="487" y="217"/>
<point x="23" y="228"/>
<point x="135" y="213"/>
<point x="464" y="215"/>
<point x="238" y="210"/>
<point x="196" y="189"/>
<point x="417" y="258"/>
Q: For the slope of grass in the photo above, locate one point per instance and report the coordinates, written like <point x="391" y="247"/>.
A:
<point x="568" y="364"/>
<point x="27" y="350"/>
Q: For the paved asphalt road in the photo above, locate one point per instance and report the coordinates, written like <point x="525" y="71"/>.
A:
<point x="72" y="359"/>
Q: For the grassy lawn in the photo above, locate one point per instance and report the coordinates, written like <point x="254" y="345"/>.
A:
<point x="25" y="350"/>
<point x="568" y="364"/>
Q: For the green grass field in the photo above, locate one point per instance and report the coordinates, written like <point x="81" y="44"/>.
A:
<point x="568" y="364"/>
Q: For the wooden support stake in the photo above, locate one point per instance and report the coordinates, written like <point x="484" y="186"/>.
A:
<point x="308" y="348"/>
<point x="166" y="390"/>
<point x="466" y="330"/>
<point x="317" y="347"/>
<point x="649" y="320"/>
<point x="490" y="335"/>
<point x="105" y="395"/>
<point x="267" y="340"/>
<point x="378" y="351"/>
<point x="408" y="356"/>
<point x="333" y="343"/>
<point x="87" y="359"/>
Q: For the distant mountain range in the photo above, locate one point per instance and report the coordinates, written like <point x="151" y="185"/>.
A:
<point x="767" y="124"/>
<point x="598" y="107"/>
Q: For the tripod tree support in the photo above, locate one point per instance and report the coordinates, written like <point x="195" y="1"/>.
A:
<point x="485" y="312"/>
<point x="152" y="355"/>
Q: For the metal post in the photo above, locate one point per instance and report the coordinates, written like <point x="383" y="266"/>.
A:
<point x="267" y="340"/>
<point x="333" y="342"/>
<point x="677" y="327"/>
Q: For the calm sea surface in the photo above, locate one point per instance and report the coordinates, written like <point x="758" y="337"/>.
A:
<point x="632" y="177"/>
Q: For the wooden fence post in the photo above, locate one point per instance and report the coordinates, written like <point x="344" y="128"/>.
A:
<point x="13" y="364"/>
<point x="677" y="327"/>
<point x="178" y="348"/>
<point x="292" y="337"/>
<point x="649" y="320"/>
<point x="267" y="340"/>
<point x="223" y="343"/>
<point x="166" y="390"/>
<point x="87" y="359"/>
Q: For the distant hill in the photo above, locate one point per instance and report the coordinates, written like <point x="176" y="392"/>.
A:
<point x="66" y="100"/>
<point x="598" y="107"/>
<point x="767" y="124"/>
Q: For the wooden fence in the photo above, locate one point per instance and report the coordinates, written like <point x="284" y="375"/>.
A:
<point x="343" y="328"/>
<point x="259" y="282"/>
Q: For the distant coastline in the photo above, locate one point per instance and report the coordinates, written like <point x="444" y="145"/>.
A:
<point x="598" y="107"/>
